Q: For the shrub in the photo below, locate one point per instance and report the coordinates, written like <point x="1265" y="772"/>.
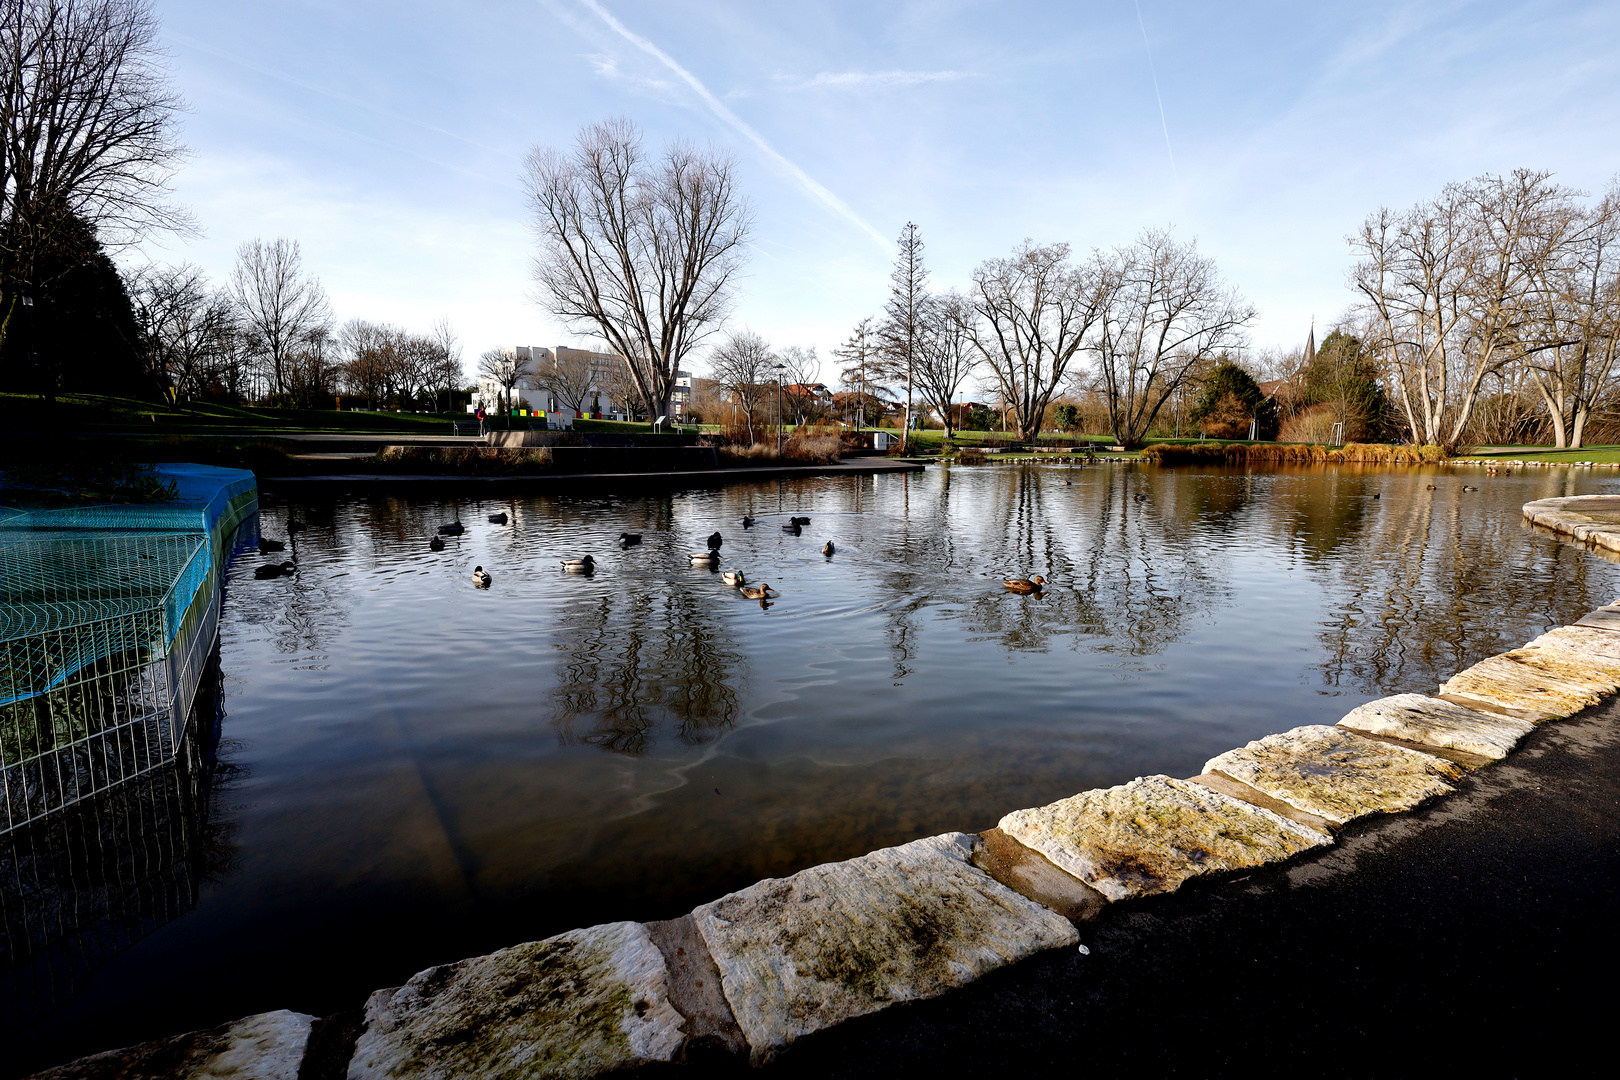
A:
<point x="464" y="460"/>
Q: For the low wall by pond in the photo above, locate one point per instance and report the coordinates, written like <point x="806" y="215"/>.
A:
<point x="1589" y="519"/>
<point x="753" y="971"/>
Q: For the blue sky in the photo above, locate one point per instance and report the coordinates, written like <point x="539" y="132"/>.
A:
<point x="387" y="137"/>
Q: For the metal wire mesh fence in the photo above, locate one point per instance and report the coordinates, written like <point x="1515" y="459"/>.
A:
<point x="106" y="616"/>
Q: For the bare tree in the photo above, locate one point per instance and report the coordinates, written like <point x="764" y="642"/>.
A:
<point x="447" y="373"/>
<point x="859" y="354"/>
<point x="1032" y="312"/>
<point x="87" y="132"/>
<point x="1445" y="285"/>
<point x="278" y="304"/>
<point x="1165" y="314"/>
<point x="1574" y="318"/>
<point x="507" y="368"/>
<point x="946" y="357"/>
<point x="901" y="330"/>
<point x="569" y="378"/>
<point x="642" y="253"/>
<point x="182" y="324"/>
<point x="798" y="367"/>
<point x="368" y="370"/>
<point x="741" y="364"/>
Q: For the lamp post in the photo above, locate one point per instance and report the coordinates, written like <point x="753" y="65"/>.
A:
<point x="778" y="368"/>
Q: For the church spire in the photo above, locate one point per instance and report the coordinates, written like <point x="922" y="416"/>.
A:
<point x="1310" y="342"/>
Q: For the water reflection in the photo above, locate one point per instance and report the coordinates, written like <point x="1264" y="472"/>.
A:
<point x="439" y="770"/>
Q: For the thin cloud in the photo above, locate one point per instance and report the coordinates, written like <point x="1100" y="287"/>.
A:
<point x="607" y="66"/>
<point x="861" y="80"/>
<point x="735" y="122"/>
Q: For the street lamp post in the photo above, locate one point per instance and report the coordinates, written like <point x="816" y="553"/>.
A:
<point x="778" y="368"/>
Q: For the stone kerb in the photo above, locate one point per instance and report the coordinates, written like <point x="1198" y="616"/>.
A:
<point x="1590" y="519"/>
<point x="761" y="967"/>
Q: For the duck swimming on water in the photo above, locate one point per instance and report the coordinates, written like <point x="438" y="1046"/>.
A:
<point x="705" y="558"/>
<point x="1025" y="585"/>
<point x="715" y="540"/>
<point x="629" y="539"/>
<point x="497" y="519"/>
<point x="436" y="543"/>
<point x="757" y="594"/>
<point x="733" y="577"/>
<point x="827" y="548"/>
<point x="582" y="565"/>
<point x="481" y="577"/>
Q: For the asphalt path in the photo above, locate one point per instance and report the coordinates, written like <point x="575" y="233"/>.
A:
<point x="1475" y="937"/>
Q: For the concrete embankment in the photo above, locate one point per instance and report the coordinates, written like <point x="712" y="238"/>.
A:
<point x="751" y="973"/>
<point x="1590" y="519"/>
<point x="592" y="481"/>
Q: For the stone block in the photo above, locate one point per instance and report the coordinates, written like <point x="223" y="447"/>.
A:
<point x="1535" y="684"/>
<point x="1337" y="774"/>
<point x="694" y="989"/>
<point x="579" y="1004"/>
<point x="1154" y="833"/>
<point x="1604" y="644"/>
<point x="265" y="1046"/>
<point x="1029" y="873"/>
<point x="844" y="939"/>
<point x="1606" y="617"/>
<point x="1419" y="718"/>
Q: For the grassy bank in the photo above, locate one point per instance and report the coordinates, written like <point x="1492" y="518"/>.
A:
<point x="1601" y="454"/>
<point x="95" y="412"/>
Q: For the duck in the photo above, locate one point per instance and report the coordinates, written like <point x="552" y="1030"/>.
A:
<point x="1378" y="494"/>
<point x="733" y="577"/>
<point x="1025" y="585"/>
<point x="800" y="520"/>
<point x="760" y="593"/>
<point x="792" y="528"/>
<point x="481" y="577"/>
<point x="715" y="540"/>
<point x="436" y="544"/>
<point x="274" y="570"/>
<point x="266" y="546"/>
<point x="582" y="565"/>
<point x="827" y="548"/>
<point x="747" y="522"/>
<point x="497" y="519"/>
<point x="1140" y="497"/>
<point x="629" y="539"/>
<point x="705" y="558"/>
<point x="1470" y="487"/>
<point x="1429" y="488"/>
<point x="454" y="528"/>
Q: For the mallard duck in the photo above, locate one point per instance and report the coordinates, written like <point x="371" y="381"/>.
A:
<point x="756" y="594"/>
<point x="827" y="548"/>
<point x="454" y="528"/>
<point x="274" y="570"/>
<point x="800" y="520"/>
<point x="481" y="577"/>
<point x="582" y="565"/>
<point x="705" y="558"/>
<point x="747" y="522"/>
<point x="436" y="544"/>
<point x="629" y="539"/>
<point x="715" y="540"/>
<point x="1025" y="585"/>
<point x="1140" y="497"/>
<point x="497" y="519"/>
<point x="733" y="577"/>
<point x="266" y="546"/>
<point x="1470" y="487"/>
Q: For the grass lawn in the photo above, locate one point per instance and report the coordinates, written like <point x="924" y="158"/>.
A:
<point x="94" y="412"/>
<point x="1604" y="454"/>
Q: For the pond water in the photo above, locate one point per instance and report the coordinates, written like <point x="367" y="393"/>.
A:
<point x="415" y="770"/>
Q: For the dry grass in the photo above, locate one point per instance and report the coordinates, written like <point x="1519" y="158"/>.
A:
<point x="799" y="449"/>
<point x="464" y="460"/>
<point x="1237" y="453"/>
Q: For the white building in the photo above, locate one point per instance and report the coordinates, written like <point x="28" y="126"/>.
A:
<point x="598" y="401"/>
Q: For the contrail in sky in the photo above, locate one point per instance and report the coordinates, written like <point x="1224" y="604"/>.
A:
<point x="821" y="194"/>
<point x="1155" y="71"/>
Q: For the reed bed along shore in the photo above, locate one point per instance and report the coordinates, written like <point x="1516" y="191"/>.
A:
<point x="1303" y="453"/>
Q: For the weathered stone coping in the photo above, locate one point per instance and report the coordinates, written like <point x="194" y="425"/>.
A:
<point x="1590" y="519"/>
<point x="759" y="968"/>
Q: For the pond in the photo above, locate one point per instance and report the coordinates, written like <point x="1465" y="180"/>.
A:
<point x="415" y="770"/>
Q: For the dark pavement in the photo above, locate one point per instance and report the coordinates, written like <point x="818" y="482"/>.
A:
<point x="1476" y="937"/>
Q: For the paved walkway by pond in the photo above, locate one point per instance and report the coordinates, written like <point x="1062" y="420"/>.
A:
<point x="1478" y="935"/>
<point x="540" y="483"/>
